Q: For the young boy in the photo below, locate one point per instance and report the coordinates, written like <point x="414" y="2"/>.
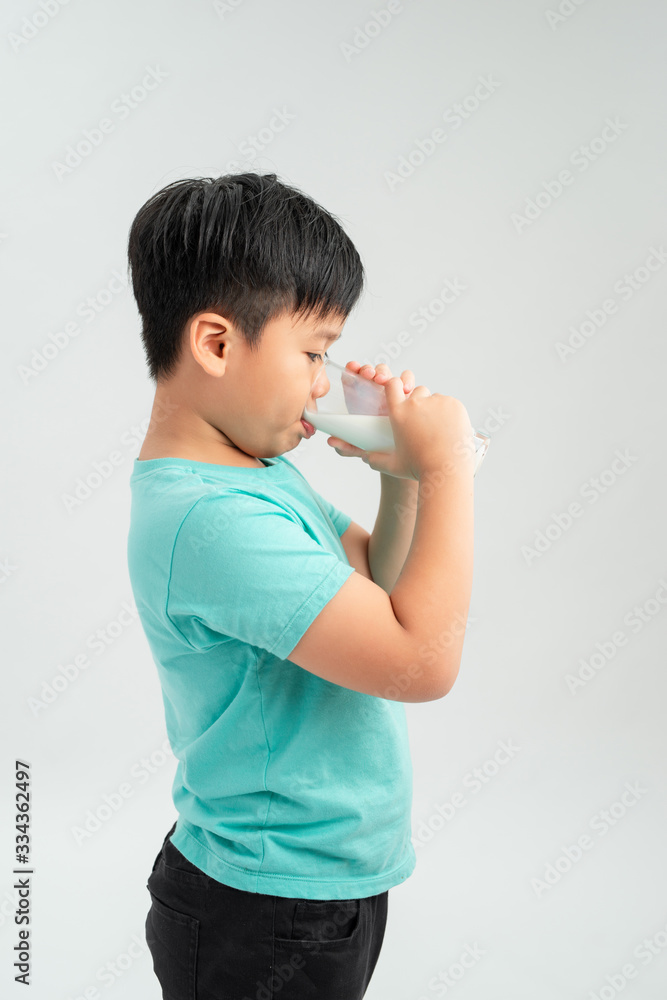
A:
<point x="286" y="638"/>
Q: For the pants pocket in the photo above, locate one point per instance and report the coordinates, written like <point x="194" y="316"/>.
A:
<point x="324" y="920"/>
<point x="173" y="939"/>
<point x="322" y="949"/>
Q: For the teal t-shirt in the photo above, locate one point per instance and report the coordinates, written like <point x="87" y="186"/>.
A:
<point x="286" y="783"/>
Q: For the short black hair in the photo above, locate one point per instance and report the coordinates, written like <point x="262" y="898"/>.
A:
<point x="245" y="245"/>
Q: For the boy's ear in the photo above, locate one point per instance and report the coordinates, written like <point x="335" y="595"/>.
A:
<point x="210" y="339"/>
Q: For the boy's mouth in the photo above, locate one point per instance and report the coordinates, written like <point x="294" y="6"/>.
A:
<point x="309" y="429"/>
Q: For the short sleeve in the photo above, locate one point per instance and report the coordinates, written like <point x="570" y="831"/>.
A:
<point x="341" y="521"/>
<point x="247" y="569"/>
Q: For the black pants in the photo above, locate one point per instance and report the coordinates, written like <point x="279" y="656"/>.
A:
<point x="210" y="941"/>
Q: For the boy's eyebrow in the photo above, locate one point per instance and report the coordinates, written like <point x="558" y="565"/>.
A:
<point x="329" y="335"/>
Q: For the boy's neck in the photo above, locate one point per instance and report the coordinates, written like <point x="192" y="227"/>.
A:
<point x="163" y="446"/>
<point x="193" y="439"/>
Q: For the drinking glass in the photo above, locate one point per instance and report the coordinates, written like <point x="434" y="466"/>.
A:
<point x="355" y="410"/>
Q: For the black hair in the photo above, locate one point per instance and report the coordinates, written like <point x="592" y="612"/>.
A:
<point x="245" y="245"/>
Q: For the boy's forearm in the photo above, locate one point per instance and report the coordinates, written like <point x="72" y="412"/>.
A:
<point x="391" y="537"/>
<point x="431" y="597"/>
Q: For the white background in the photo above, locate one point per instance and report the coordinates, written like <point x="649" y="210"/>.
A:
<point x="363" y="97"/>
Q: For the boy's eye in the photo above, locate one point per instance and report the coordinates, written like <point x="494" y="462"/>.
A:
<point x="315" y="357"/>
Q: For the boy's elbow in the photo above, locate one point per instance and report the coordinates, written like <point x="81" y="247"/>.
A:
<point x="441" y="681"/>
<point x="423" y="685"/>
<point x="448" y="682"/>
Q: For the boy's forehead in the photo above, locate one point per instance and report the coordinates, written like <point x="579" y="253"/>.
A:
<point x="329" y="328"/>
<point x="325" y="334"/>
<point x="315" y="327"/>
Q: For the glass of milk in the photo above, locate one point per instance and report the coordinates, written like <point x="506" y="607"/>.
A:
<point x="355" y="410"/>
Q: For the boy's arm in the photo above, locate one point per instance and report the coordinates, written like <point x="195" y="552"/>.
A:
<point x="390" y="540"/>
<point x="380" y="556"/>
<point x="393" y="645"/>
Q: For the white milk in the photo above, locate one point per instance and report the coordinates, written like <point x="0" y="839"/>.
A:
<point x="367" y="432"/>
<point x="373" y="433"/>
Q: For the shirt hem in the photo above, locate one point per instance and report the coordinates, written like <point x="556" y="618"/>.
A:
<point x="291" y="886"/>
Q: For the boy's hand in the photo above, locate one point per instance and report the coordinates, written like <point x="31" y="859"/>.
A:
<point x="380" y="374"/>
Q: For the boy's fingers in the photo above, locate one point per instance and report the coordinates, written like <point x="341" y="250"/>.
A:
<point x="344" y="448"/>
<point x="394" y="389"/>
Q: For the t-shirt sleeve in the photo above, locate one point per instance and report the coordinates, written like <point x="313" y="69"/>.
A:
<point x="341" y="521"/>
<point x="247" y="569"/>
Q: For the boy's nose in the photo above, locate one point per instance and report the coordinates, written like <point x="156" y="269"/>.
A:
<point x="321" y="385"/>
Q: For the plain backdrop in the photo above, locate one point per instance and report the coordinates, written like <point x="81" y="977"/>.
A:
<point x="515" y="152"/>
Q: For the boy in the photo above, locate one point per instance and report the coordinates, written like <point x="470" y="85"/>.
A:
<point x="286" y="637"/>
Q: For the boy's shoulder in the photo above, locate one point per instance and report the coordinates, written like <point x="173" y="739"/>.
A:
<point x="177" y="502"/>
<point x="168" y="491"/>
